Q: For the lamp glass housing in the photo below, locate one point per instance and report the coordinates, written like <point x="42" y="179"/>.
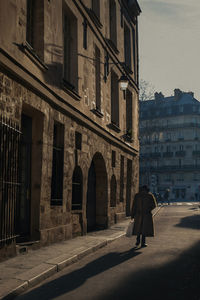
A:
<point x="123" y="81"/>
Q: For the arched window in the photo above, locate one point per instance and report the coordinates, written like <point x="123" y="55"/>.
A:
<point x="113" y="191"/>
<point x="77" y="189"/>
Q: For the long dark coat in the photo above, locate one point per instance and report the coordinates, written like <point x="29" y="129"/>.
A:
<point x="144" y="202"/>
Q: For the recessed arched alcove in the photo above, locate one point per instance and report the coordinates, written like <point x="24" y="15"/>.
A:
<point x="97" y="194"/>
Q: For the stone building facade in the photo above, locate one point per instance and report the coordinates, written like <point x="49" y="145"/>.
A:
<point x="170" y="145"/>
<point x="69" y="135"/>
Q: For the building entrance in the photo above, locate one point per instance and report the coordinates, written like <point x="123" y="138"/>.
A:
<point x="97" y="199"/>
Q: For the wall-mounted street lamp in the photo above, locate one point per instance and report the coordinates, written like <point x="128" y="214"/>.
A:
<point x="123" y="81"/>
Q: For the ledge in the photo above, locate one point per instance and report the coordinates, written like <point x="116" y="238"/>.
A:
<point x="30" y="52"/>
<point x="97" y="112"/>
<point x="70" y="89"/>
<point x="114" y="127"/>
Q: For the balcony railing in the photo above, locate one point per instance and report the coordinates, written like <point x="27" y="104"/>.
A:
<point x="163" y="169"/>
<point x="169" y="126"/>
<point x="155" y="155"/>
<point x="180" y="153"/>
<point x="168" y="154"/>
<point x="196" y="153"/>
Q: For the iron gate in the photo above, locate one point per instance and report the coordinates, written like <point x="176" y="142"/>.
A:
<point x="9" y="178"/>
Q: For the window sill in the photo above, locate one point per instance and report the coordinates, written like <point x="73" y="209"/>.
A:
<point x="30" y="52"/>
<point x="113" y="46"/>
<point x="70" y="89"/>
<point x="97" y="112"/>
<point x="114" y="127"/>
<point x="95" y="18"/>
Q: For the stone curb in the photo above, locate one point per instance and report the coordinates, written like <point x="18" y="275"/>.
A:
<point x="50" y="268"/>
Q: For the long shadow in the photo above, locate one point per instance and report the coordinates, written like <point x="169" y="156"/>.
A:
<point x="192" y="222"/>
<point x="76" y="278"/>
<point x="177" y="280"/>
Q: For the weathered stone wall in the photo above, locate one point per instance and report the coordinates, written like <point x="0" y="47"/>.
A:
<point x="35" y="88"/>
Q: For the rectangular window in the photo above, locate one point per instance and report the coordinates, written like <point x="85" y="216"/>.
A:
<point x="96" y="7"/>
<point x="122" y="179"/>
<point x="57" y="165"/>
<point x="70" y="57"/>
<point x="127" y="46"/>
<point x="114" y="99"/>
<point x="85" y="34"/>
<point x="168" y="148"/>
<point x="35" y="25"/>
<point x="134" y="53"/>
<point x="129" y="114"/>
<point x="113" y="22"/>
<point x="97" y="78"/>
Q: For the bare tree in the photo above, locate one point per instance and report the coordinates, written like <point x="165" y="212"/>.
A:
<point x="147" y="90"/>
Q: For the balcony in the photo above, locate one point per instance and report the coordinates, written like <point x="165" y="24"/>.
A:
<point x="169" y="126"/>
<point x="168" y="154"/>
<point x="155" y="155"/>
<point x="163" y="169"/>
<point x="180" y="153"/>
<point x="196" y="153"/>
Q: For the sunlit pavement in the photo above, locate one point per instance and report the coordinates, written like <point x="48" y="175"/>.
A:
<point x="168" y="269"/>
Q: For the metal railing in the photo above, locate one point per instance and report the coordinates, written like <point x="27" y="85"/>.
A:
<point x="9" y="179"/>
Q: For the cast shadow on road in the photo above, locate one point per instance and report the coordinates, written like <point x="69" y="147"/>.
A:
<point x="76" y="278"/>
<point x="192" y="222"/>
<point x="177" y="280"/>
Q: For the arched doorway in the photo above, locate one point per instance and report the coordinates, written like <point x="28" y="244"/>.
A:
<point x="97" y="199"/>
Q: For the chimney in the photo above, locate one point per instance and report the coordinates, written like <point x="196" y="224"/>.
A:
<point x="177" y="94"/>
<point x="158" y="96"/>
<point x="191" y="94"/>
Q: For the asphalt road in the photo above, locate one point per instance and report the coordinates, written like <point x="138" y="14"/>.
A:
<point x="169" y="268"/>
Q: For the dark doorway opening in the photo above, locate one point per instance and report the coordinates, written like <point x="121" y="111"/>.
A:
<point x="91" y="199"/>
<point x="97" y="198"/>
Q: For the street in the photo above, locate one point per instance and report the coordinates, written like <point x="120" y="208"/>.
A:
<point x="169" y="268"/>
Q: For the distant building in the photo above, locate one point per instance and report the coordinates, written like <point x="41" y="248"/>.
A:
<point x="170" y="145"/>
<point x="69" y="147"/>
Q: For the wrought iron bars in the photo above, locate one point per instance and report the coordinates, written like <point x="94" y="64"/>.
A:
<point x="9" y="178"/>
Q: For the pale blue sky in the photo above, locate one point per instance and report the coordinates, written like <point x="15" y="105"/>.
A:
<point x="169" y="39"/>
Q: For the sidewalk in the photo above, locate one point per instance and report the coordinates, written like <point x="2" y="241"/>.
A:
<point x="23" y="271"/>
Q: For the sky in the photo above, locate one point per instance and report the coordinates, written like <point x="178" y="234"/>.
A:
<point x="169" y="45"/>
